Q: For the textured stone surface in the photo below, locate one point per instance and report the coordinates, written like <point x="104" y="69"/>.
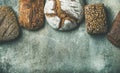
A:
<point x="50" y="51"/>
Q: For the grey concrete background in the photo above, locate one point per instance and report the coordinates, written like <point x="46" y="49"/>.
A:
<point x="50" y="51"/>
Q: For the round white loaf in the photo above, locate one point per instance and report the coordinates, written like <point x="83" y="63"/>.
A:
<point x="63" y="14"/>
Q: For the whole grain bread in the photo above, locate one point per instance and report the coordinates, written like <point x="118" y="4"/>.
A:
<point x="95" y="18"/>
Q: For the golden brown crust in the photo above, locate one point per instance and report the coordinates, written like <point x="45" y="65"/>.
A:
<point x="95" y="19"/>
<point x="31" y="14"/>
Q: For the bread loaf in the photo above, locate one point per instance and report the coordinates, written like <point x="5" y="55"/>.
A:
<point x="95" y="18"/>
<point x="31" y="14"/>
<point x="9" y="28"/>
<point x="63" y="14"/>
<point x="114" y="35"/>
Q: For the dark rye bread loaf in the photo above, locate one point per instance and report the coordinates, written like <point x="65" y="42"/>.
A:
<point x="114" y="35"/>
<point x="95" y="18"/>
<point x="9" y="29"/>
<point x="31" y="14"/>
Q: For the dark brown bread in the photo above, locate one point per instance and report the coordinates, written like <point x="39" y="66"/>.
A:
<point x="8" y="24"/>
<point x="114" y="34"/>
<point x="95" y="17"/>
<point x="31" y="14"/>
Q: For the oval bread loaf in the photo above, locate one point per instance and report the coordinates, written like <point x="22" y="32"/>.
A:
<point x="9" y="28"/>
<point x="31" y="14"/>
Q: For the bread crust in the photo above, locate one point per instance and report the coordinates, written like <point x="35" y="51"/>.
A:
<point x="95" y="18"/>
<point x="31" y="14"/>
<point x="63" y="14"/>
<point x="114" y="34"/>
<point x="9" y="28"/>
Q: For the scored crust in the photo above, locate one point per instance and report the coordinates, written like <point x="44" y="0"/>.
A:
<point x="66" y="19"/>
<point x="31" y="14"/>
<point x="9" y="28"/>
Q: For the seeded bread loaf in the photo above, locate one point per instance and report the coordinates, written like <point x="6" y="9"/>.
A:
<point x="63" y="14"/>
<point x="95" y="18"/>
